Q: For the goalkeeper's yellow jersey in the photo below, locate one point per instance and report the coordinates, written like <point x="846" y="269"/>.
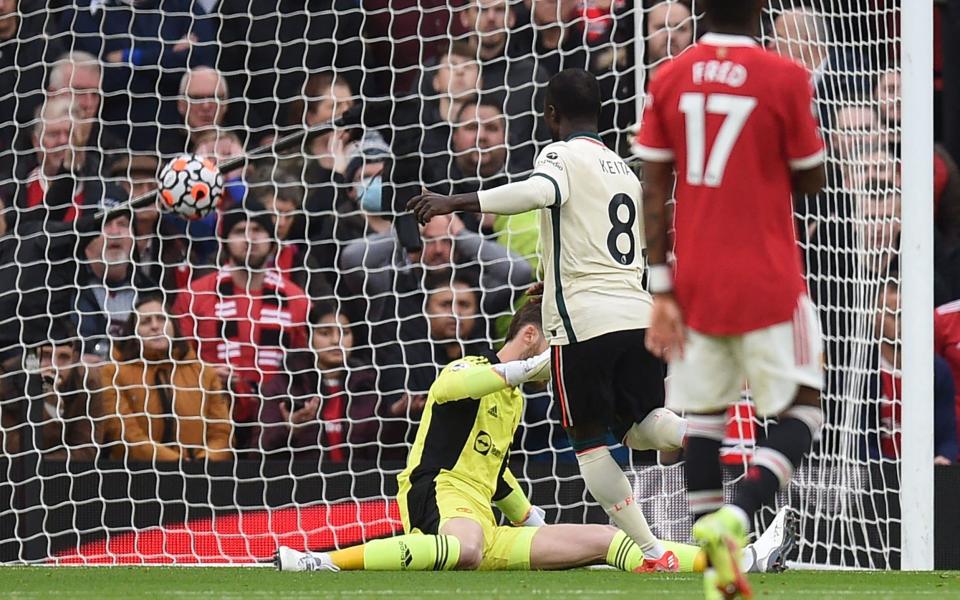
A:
<point x="466" y="429"/>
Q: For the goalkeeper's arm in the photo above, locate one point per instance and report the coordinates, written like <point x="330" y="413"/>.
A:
<point x="513" y="503"/>
<point x="511" y="199"/>
<point x="465" y="380"/>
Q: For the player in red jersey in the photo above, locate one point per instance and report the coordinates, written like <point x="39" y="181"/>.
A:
<point x="736" y="123"/>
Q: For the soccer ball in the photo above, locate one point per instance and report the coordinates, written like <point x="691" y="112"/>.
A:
<point x="190" y="186"/>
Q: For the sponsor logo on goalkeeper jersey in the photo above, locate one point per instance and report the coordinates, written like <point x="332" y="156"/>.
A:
<point x="493" y="412"/>
<point x="482" y="443"/>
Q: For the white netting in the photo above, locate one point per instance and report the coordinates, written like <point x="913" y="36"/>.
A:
<point x="132" y="457"/>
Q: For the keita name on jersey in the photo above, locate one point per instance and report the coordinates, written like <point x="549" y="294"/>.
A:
<point x="614" y="167"/>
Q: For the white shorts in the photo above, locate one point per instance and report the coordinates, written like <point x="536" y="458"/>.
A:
<point x="774" y="362"/>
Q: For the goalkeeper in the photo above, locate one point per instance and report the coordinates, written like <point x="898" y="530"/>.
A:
<point x="458" y="467"/>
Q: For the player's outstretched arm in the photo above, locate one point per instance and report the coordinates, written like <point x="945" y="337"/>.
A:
<point x="511" y="199"/>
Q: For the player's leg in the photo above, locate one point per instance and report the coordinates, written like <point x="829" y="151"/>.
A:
<point x="784" y="371"/>
<point x="570" y="546"/>
<point x="582" y="384"/>
<point x="639" y="388"/>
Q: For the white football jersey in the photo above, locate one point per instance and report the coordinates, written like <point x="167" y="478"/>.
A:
<point x="593" y="242"/>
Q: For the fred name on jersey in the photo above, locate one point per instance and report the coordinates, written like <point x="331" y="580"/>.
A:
<point x="726" y="72"/>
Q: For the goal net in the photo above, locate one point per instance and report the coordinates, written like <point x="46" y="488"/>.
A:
<point x="279" y="408"/>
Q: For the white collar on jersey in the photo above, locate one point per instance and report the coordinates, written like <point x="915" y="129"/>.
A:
<point x="724" y="39"/>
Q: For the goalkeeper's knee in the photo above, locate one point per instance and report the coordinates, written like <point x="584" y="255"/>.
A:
<point x="662" y="429"/>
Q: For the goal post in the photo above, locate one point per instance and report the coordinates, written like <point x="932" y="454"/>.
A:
<point x="916" y="248"/>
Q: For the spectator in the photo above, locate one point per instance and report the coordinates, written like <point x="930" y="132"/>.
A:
<point x="281" y="195"/>
<point x="378" y="270"/>
<point x="946" y="336"/>
<point x="269" y="48"/>
<point x="144" y="53"/>
<point x="25" y="51"/>
<point x="453" y="316"/>
<point x="70" y="397"/>
<point x="945" y="420"/>
<point x="162" y="402"/>
<point x="855" y="127"/>
<point x="513" y="83"/>
<point x="323" y="408"/>
<point x="245" y="317"/>
<point x="160" y="247"/>
<point x="802" y="34"/>
<point x="59" y="154"/>
<point x="201" y="104"/>
<point x="478" y="154"/>
<point x="887" y="94"/>
<point x="358" y="210"/>
<point x="76" y="76"/>
<point x="328" y="97"/>
<point x="108" y="281"/>
<point x="455" y="79"/>
<point x="669" y="31"/>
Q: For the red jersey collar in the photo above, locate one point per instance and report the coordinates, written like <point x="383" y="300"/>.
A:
<point x="724" y="39"/>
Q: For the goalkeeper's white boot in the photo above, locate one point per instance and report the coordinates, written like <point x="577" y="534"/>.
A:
<point x="288" y="559"/>
<point x="769" y="553"/>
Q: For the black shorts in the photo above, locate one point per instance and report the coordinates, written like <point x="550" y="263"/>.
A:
<point x="610" y="381"/>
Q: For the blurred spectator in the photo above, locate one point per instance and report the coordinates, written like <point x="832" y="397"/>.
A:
<point x="60" y="162"/>
<point x="108" y="281"/>
<point x="76" y="76"/>
<point x="267" y="50"/>
<point x="161" y="248"/>
<point x="669" y="31"/>
<point x="70" y="397"/>
<point x="245" y="317"/>
<point x="328" y="97"/>
<point x="802" y="34"/>
<point x="887" y="95"/>
<point x="323" y="408"/>
<point x="281" y="195"/>
<point x="453" y="316"/>
<point x="945" y="433"/>
<point x="855" y="128"/>
<point x="388" y="277"/>
<point x="144" y="52"/>
<point x="515" y="84"/>
<point x="164" y="404"/>
<point x="946" y="337"/>
<point x="201" y="105"/>
<point x="25" y="52"/>
<point x="358" y="210"/>
<point x="456" y="79"/>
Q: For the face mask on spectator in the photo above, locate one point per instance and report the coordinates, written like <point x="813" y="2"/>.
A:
<point x="369" y="192"/>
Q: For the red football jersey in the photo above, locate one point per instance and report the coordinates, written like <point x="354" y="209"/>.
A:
<point x="946" y="338"/>
<point x="250" y="331"/>
<point x="736" y="120"/>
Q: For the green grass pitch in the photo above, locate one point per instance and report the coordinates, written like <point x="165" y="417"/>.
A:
<point x="154" y="582"/>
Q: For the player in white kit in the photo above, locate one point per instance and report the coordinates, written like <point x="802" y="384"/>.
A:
<point x="595" y="305"/>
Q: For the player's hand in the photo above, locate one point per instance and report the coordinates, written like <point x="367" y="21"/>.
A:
<point x="666" y="335"/>
<point x="535" y="292"/>
<point x="428" y="205"/>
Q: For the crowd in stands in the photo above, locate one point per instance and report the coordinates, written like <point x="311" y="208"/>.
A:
<point x="293" y="323"/>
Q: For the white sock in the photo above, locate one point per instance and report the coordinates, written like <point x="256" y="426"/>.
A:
<point x="610" y="487"/>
